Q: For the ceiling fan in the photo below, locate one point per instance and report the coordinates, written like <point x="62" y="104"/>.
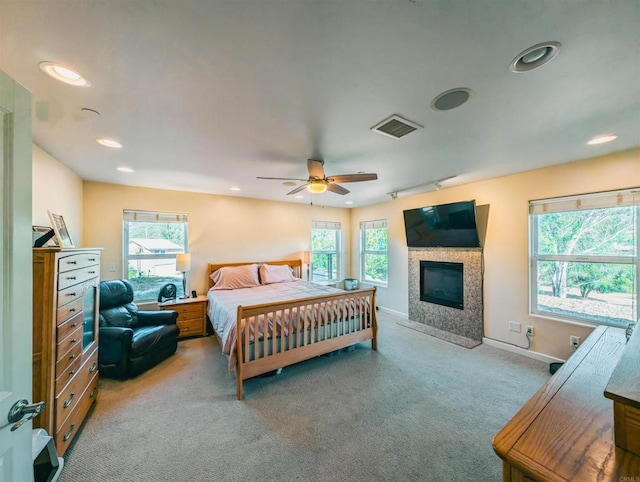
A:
<point x="318" y="182"/>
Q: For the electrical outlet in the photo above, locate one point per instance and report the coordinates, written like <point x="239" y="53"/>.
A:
<point x="514" y="326"/>
<point x="574" y="341"/>
<point x="529" y="330"/>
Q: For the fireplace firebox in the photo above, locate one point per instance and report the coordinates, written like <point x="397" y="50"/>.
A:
<point x="442" y="283"/>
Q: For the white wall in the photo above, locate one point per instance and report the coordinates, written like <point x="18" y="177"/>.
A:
<point x="506" y="268"/>
<point x="221" y="228"/>
<point x="58" y="189"/>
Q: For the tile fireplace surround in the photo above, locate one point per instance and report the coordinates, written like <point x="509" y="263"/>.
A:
<point x="463" y="327"/>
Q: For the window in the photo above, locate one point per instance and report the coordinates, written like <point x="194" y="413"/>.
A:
<point x="584" y="257"/>
<point x="151" y="242"/>
<point x="373" y="252"/>
<point x="325" y="251"/>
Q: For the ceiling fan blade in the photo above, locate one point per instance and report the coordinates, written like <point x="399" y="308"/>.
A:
<point x="336" y="188"/>
<point x="297" y="190"/>
<point x="282" y="178"/>
<point x="353" y="177"/>
<point x="315" y="168"/>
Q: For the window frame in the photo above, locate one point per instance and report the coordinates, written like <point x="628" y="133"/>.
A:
<point x="602" y="200"/>
<point x="327" y="225"/>
<point x="364" y="226"/>
<point x="160" y="217"/>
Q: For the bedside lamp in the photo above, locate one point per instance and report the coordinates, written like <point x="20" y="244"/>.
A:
<point x="306" y="259"/>
<point x="183" y="263"/>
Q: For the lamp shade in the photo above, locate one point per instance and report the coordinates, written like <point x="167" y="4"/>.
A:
<point x="183" y="262"/>
<point x="306" y="257"/>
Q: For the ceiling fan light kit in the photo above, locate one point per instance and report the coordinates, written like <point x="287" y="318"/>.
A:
<point x="318" y="182"/>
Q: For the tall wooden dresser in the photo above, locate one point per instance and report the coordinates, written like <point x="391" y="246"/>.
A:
<point x="66" y="290"/>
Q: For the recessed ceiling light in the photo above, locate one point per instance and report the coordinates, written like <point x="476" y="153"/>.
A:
<point x="349" y="202"/>
<point x="534" y="57"/>
<point x="602" y="139"/>
<point x="105" y="141"/>
<point x="124" y="169"/>
<point x="299" y="196"/>
<point x="64" y="74"/>
<point x="235" y="188"/>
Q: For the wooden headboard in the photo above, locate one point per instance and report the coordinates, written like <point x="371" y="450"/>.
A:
<point x="295" y="264"/>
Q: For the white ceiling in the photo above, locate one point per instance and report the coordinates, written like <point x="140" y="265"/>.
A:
<point x="207" y="95"/>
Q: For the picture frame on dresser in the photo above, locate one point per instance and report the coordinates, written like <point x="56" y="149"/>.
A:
<point x="62" y="235"/>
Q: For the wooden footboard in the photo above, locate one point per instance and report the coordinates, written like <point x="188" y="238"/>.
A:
<point x="296" y="330"/>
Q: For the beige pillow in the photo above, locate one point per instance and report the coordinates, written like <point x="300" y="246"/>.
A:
<point x="233" y="277"/>
<point x="273" y="273"/>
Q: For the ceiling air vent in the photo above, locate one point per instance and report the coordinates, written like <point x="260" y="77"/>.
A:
<point x="396" y="127"/>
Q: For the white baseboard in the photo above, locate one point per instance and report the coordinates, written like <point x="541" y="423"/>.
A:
<point x="521" y="351"/>
<point x="404" y="316"/>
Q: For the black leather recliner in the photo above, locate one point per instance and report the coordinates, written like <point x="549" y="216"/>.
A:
<point x="131" y="341"/>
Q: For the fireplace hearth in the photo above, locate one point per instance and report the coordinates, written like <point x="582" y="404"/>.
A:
<point x="445" y="293"/>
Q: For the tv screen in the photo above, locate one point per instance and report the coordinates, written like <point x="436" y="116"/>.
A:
<point x="443" y="226"/>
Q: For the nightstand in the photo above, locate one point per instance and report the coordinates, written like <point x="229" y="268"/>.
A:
<point x="192" y="315"/>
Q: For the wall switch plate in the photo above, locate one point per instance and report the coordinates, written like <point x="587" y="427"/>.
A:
<point x="514" y="326"/>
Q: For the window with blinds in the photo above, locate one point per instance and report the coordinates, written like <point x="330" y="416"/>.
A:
<point x="584" y="257"/>
<point x="151" y="242"/>
<point x="325" y="251"/>
<point x="373" y="252"/>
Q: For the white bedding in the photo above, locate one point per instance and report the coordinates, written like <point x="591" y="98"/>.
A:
<point x="223" y="304"/>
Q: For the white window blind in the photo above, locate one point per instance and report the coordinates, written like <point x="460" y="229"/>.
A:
<point x="153" y="217"/>
<point x="626" y="197"/>
<point x="381" y="223"/>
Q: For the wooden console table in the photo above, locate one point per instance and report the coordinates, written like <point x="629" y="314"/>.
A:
<point x="565" y="432"/>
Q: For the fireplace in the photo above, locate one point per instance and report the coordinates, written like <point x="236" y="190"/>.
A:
<point x="441" y="283"/>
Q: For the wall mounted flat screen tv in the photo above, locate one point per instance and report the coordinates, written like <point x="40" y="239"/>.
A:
<point x="443" y="226"/>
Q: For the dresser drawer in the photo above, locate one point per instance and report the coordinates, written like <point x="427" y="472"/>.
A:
<point x="74" y="338"/>
<point x="193" y="310"/>
<point x="67" y="373"/>
<point x="68" y="310"/>
<point x="190" y="327"/>
<point x="72" y="278"/>
<point x="75" y="261"/>
<point x="67" y="359"/>
<point x="63" y="330"/>
<point x="69" y="397"/>
<point x="68" y="429"/>
<point x="69" y="295"/>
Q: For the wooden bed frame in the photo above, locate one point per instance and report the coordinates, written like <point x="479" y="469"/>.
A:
<point x="349" y="318"/>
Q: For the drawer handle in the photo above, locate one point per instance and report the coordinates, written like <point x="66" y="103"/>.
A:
<point x="67" y="435"/>
<point x="72" y="373"/>
<point x="71" y="294"/>
<point x="72" y="262"/>
<point x="92" y="272"/>
<point x="68" y="402"/>
<point x="73" y="355"/>
<point x="92" y="259"/>
<point x="72" y="310"/>
<point x="93" y="392"/>
<point x="73" y="325"/>
<point x="71" y="277"/>
<point x="75" y="340"/>
<point x="94" y="365"/>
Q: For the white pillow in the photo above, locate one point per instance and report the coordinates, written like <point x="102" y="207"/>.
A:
<point x="273" y="273"/>
<point x="233" y="277"/>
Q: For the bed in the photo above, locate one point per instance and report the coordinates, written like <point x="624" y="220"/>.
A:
<point x="266" y="317"/>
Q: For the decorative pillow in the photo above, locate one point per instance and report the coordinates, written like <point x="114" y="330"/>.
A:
<point x="233" y="277"/>
<point x="273" y="273"/>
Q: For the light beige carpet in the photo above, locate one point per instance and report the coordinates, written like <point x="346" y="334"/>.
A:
<point x="418" y="409"/>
